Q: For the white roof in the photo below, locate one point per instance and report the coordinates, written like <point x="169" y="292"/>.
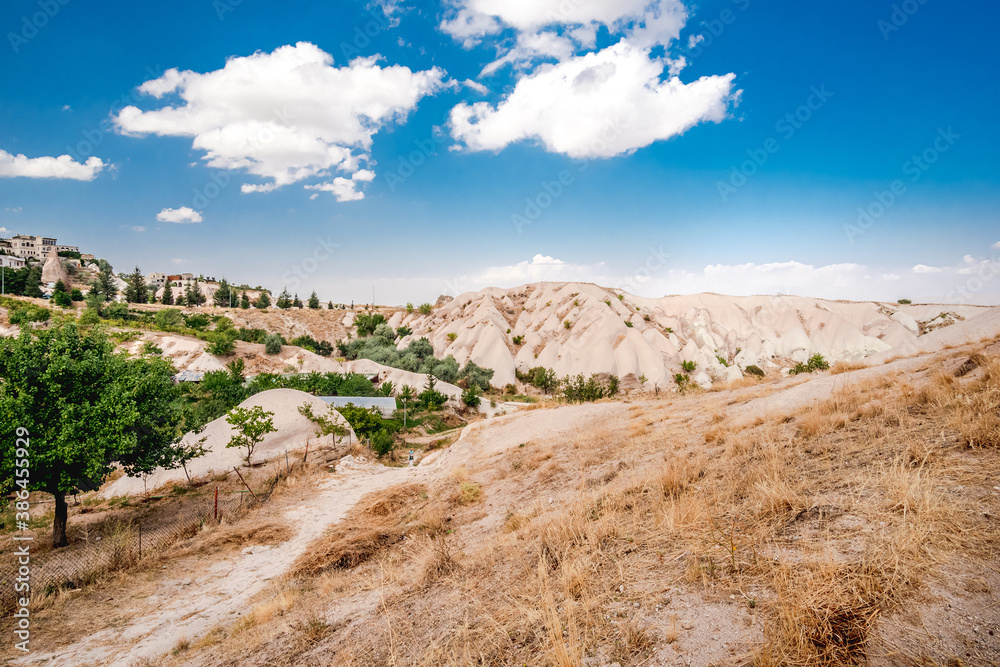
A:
<point x="385" y="404"/>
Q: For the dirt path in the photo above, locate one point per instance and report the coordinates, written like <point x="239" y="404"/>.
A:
<point x="189" y="607"/>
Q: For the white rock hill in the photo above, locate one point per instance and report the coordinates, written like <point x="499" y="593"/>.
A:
<point x="583" y="328"/>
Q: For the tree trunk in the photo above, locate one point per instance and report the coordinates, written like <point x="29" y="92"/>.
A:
<point x="59" y="523"/>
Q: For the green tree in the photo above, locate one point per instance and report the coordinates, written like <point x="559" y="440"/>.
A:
<point x="73" y="408"/>
<point x="296" y="302"/>
<point x="244" y="301"/>
<point x="60" y="296"/>
<point x="284" y="301"/>
<point x="168" y="295"/>
<point x="263" y="301"/>
<point x="33" y="281"/>
<point x="366" y="323"/>
<point x="251" y="425"/>
<point x="314" y="301"/>
<point x="326" y="424"/>
<point x="364" y="421"/>
<point x="103" y="284"/>
<point x="382" y="442"/>
<point x="224" y="295"/>
<point x="135" y="287"/>
<point x="272" y="344"/>
<point x="329" y="306"/>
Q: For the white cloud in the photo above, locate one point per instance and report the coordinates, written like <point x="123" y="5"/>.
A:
<point x="178" y="260"/>
<point x="182" y="215"/>
<point x="283" y="116"/>
<point x="923" y="268"/>
<point x="577" y="101"/>
<point x="476" y="86"/>
<point x="996" y="246"/>
<point x="346" y="189"/>
<point x="598" y="105"/>
<point x="64" y="166"/>
<point x="138" y="228"/>
<point x="891" y="276"/>
<point x="16" y="209"/>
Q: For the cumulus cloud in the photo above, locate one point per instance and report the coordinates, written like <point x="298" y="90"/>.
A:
<point x="996" y="246"/>
<point x="64" y="166"/>
<point x="923" y="268"/>
<point x="283" y="116"/>
<point x="182" y="215"/>
<point x="598" y="105"/>
<point x="346" y="189"/>
<point x="572" y="99"/>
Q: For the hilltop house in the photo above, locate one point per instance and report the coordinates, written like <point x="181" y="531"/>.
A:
<point x="36" y="247"/>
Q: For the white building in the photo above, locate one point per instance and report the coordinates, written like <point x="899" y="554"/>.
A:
<point x="31" y="246"/>
<point x="12" y="262"/>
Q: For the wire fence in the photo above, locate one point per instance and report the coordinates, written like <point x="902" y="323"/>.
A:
<point x="118" y="544"/>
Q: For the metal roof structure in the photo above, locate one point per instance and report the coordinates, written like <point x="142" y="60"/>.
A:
<point x="189" y="376"/>
<point x="385" y="405"/>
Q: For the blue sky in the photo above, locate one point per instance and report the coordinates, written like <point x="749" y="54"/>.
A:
<point x="730" y="145"/>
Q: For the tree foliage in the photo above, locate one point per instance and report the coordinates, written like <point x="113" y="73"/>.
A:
<point x="87" y="409"/>
<point x="250" y="426"/>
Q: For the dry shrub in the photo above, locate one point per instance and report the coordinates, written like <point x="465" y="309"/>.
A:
<point x="468" y="493"/>
<point x="515" y="521"/>
<point x="435" y="558"/>
<point x="971" y="364"/>
<point x="262" y="613"/>
<point x="825" y="611"/>
<point x="976" y="414"/>
<point x="846" y="367"/>
<point x="241" y="534"/>
<point x="369" y="529"/>
<point x="313" y="629"/>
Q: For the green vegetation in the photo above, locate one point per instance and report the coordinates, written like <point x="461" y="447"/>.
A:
<point x="904" y="302"/>
<point x="815" y="363"/>
<point x="24" y="312"/>
<point x="577" y="389"/>
<point x="518" y="340"/>
<point x="60" y="296"/>
<point x="470" y="397"/>
<point x="688" y="366"/>
<point x="313" y="301"/>
<point x="425" y="309"/>
<point x="263" y="302"/>
<point x="60" y="389"/>
<point x="367" y="323"/>
<point x="722" y="361"/>
<point x="272" y="344"/>
<point x="251" y="425"/>
<point x="629" y="324"/>
<point x="755" y="370"/>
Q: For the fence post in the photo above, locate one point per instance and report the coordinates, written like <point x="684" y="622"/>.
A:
<point x="306" y="455"/>
<point x="216" y="513"/>
<point x="140" y="540"/>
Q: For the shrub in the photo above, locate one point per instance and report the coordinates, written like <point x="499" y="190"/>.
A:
<point x="628" y="324"/>
<point x="722" y="361"/>
<point x="755" y="370"/>
<point x="25" y="313"/>
<point x="382" y="442"/>
<point x="431" y="399"/>
<point x="509" y="389"/>
<point x="62" y="299"/>
<point x="197" y="321"/>
<point x="272" y="344"/>
<point x="365" y="422"/>
<point x="688" y="366"/>
<point x="471" y="398"/>
<point x="89" y="317"/>
<point x="518" y="340"/>
<point x="476" y="376"/>
<point x="904" y="302"/>
<point x="815" y="363"/>
<point x="452" y="336"/>
<point x="76" y="295"/>
<point x="403" y="331"/>
<point x="116" y="311"/>
<point x="168" y="318"/>
<point x="221" y="345"/>
<point x="366" y="323"/>
<point x="683" y="382"/>
<point x="567" y="324"/>
<point x="425" y="309"/>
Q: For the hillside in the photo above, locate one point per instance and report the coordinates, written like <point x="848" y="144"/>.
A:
<point x="583" y="328"/>
<point x="825" y="519"/>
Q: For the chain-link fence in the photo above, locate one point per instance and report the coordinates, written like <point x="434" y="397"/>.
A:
<point x="118" y="544"/>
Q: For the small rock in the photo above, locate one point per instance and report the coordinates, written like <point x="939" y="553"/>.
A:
<point x="687" y="625"/>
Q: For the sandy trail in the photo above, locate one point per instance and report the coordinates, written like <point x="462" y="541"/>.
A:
<point x="190" y="607"/>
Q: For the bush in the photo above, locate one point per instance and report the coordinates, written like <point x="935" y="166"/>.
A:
<point x="403" y="331"/>
<point x="168" y="318"/>
<point x="116" y="311"/>
<point x="382" y="442"/>
<point x="366" y="323"/>
<point x="904" y="302"/>
<point x="221" y="345"/>
<point x="89" y="317"/>
<point x="815" y="363"/>
<point x="24" y="313"/>
<point x="425" y="309"/>
<point x="629" y="324"/>
<point x="688" y="366"/>
<point x="272" y="344"/>
<point x="476" y="377"/>
<point x="518" y="340"/>
<point x="365" y="422"/>
<point x="197" y="321"/>
<point x="62" y="299"/>
<point x="755" y="370"/>
<point x="471" y="398"/>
